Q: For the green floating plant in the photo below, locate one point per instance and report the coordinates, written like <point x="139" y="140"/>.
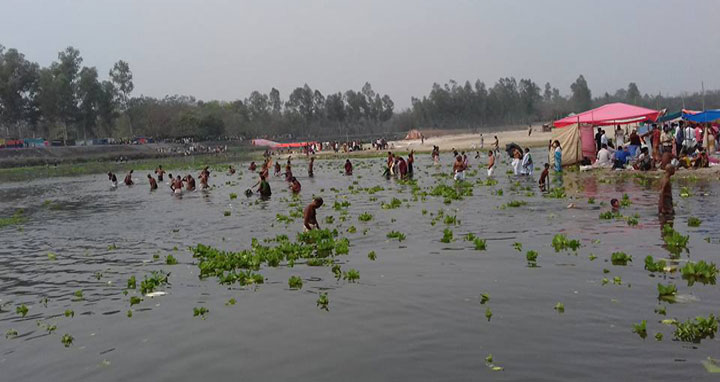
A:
<point x="170" y="260"/>
<point x="295" y="282"/>
<point x="620" y="258"/>
<point x="561" y="242"/>
<point x="693" y="222"/>
<point x="365" y="217"/>
<point x="447" y="236"/>
<point x="352" y="275"/>
<point x="667" y="292"/>
<point x="701" y="271"/>
<point x="484" y="297"/>
<point x="201" y="312"/>
<point x="653" y="266"/>
<point x="531" y="256"/>
<point x="322" y="301"/>
<point x="22" y="310"/>
<point x="640" y="329"/>
<point x="372" y="256"/>
<point x="396" y="235"/>
<point x="67" y="340"/>
<point x="696" y="330"/>
<point x="560" y="307"/>
<point x="480" y="244"/>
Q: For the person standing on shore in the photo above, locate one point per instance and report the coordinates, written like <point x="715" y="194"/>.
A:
<point x="482" y="141"/>
<point x="153" y="183"/>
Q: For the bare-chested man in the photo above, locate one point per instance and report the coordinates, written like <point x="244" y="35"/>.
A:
<point x="459" y="168"/>
<point x="176" y="185"/>
<point x="153" y="183"/>
<point x="665" y="202"/>
<point x="190" y="182"/>
<point x="309" y="215"/>
<point x="542" y="183"/>
<point x="491" y="163"/>
<point x="295" y="185"/>
<point x="160" y="173"/>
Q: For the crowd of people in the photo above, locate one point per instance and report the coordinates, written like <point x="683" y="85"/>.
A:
<point x="683" y="144"/>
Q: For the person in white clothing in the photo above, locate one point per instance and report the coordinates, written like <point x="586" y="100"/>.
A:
<point x="527" y="163"/>
<point x="604" y="158"/>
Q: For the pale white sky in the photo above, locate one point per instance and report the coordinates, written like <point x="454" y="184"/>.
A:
<point x="216" y="49"/>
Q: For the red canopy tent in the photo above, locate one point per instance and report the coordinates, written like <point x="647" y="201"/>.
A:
<point x="610" y="114"/>
<point x="578" y="141"/>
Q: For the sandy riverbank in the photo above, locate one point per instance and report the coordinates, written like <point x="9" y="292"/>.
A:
<point x="471" y="141"/>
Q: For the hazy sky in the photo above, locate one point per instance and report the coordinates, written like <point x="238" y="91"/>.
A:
<point x="216" y="49"/>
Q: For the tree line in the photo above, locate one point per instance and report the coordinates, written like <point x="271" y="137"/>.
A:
<point x="69" y="101"/>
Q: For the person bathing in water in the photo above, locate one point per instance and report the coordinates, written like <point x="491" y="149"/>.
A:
<point x="112" y="178"/>
<point x="153" y="183"/>
<point x="665" y="202"/>
<point x="310" y="167"/>
<point x="491" y="163"/>
<point x="542" y="183"/>
<point x="310" y="214"/>
<point x="295" y="185"/>
<point x="160" y="173"/>
<point x="264" y="187"/>
<point x="190" y="182"/>
<point x="128" y="179"/>
<point x="459" y="168"/>
<point x="231" y="170"/>
<point x="176" y="185"/>
<point x="348" y="167"/>
<point x="252" y="166"/>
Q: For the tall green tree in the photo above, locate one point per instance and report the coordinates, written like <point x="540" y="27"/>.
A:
<point x="581" y="98"/>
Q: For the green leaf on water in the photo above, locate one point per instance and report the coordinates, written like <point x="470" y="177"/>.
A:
<point x="560" y="307"/>
<point x="322" y="301"/>
<point x="295" y="282"/>
<point x="372" y="256"/>
<point x="22" y="310"/>
<point x="488" y="314"/>
<point x="67" y="340"/>
<point x="484" y="298"/>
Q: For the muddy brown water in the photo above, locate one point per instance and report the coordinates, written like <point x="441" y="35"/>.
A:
<point x="415" y="313"/>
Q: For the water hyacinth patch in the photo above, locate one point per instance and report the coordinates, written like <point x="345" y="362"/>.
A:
<point x="674" y="241"/>
<point x="295" y="282"/>
<point x="561" y="242"/>
<point x="693" y="222"/>
<point x="365" y="217"/>
<point x="396" y="235"/>
<point x="352" y="275"/>
<point x="667" y="292"/>
<point x="372" y="256"/>
<point x="531" y="256"/>
<point x="640" y="329"/>
<point x="170" y="260"/>
<point x="67" y="340"/>
<point x="560" y="307"/>
<point x="653" y="266"/>
<point x="323" y="301"/>
<point x="696" y="330"/>
<point x="152" y="281"/>
<point x="484" y="297"/>
<point x="480" y="244"/>
<point x="394" y="203"/>
<point x="22" y="310"/>
<point x="620" y="258"/>
<point x="517" y="246"/>
<point x="201" y="312"/>
<point x="447" y="236"/>
<point x="701" y="271"/>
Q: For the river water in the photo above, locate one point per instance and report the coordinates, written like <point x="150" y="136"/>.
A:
<point x="414" y="314"/>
